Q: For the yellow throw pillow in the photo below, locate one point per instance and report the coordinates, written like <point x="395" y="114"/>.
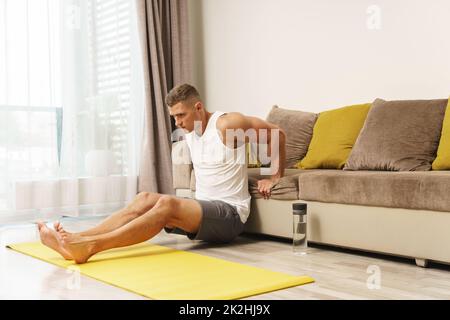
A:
<point x="442" y="161"/>
<point x="334" y="135"/>
<point x="252" y="156"/>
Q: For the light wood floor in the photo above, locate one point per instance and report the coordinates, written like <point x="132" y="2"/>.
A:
<point x="339" y="274"/>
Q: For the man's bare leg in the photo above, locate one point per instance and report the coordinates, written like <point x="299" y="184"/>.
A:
<point x="50" y="238"/>
<point x="142" y="203"/>
<point x="169" y="210"/>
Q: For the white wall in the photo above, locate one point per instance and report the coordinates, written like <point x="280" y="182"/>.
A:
<point x="318" y="55"/>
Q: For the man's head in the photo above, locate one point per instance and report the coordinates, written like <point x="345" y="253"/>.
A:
<point x="185" y="106"/>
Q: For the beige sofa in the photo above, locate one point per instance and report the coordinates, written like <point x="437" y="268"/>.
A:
<point x="414" y="227"/>
<point x="402" y="213"/>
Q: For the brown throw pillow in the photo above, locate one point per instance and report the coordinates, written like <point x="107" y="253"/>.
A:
<point x="399" y="136"/>
<point x="298" y="126"/>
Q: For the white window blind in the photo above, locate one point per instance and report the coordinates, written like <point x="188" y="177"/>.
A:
<point x="110" y="55"/>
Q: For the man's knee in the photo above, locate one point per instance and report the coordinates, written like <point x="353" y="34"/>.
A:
<point x="167" y="206"/>
<point x="143" y="195"/>
<point x="143" y="202"/>
<point x="168" y="203"/>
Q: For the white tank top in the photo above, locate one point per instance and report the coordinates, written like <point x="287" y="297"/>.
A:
<point x="220" y="172"/>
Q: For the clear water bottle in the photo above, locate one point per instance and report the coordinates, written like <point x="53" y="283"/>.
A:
<point x="299" y="241"/>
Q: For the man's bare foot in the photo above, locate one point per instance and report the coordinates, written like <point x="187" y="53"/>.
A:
<point x="51" y="239"/>
<point x="69" y="236"/>
<point x="58" y="226"/>
<point x="80" y="250"/>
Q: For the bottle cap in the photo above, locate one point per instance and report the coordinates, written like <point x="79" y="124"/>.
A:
<point x="299" y="207"/>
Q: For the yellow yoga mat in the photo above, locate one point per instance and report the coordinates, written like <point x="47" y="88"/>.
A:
<point x="159" y="272"/>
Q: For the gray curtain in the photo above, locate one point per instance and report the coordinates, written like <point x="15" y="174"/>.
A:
<point x="164" y="37"/>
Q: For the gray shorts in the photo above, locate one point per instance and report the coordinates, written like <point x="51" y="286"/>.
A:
<point x="220" y="223"/>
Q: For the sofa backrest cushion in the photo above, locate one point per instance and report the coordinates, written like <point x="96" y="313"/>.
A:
<point x="442" y="161"/>
<point x="399" y="136"/>
<point x="298" y="126"/>
<point x="334" y="135"/>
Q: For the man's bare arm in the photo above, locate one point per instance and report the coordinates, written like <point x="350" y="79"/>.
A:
<point x="236" y="121"/>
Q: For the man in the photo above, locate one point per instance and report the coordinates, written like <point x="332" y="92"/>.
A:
<point x="222" y="201"/>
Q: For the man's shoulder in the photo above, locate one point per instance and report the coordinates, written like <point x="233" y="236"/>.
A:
<point x="231" y="120"/>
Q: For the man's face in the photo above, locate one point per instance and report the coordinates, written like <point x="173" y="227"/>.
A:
<point x="185" y="113"/>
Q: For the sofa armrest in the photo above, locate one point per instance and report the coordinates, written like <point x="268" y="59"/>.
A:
<point x="181" y="165"/>
<point x="192" y="186"/>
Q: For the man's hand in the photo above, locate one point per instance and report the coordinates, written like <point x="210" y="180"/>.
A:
<point x="265" y="186"/>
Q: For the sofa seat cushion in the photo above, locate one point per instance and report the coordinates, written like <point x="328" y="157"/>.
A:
<point x="255" y="174"/>
<point x="285" y="189"/>
<point x="409" y="190"/>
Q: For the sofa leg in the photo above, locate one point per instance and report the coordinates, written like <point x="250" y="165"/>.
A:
<point x="422" y="262"/>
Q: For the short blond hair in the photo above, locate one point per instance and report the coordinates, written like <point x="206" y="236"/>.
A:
<point x="180" y="93"/>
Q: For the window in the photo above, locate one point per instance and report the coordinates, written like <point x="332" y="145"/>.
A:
<point x="30" y="101"/>
<point x="70" y="87"/>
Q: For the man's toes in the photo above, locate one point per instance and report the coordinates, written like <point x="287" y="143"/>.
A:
<point x="60" y="228"/>
<point x="40" y="225"/>
<point x="61" y="237"/>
